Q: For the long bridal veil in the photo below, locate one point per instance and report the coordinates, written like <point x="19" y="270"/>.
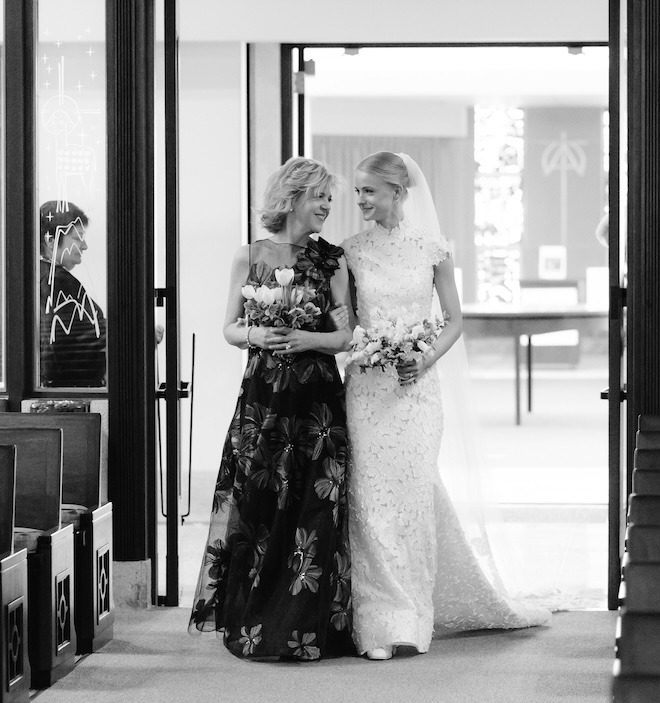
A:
<point x="462" y="466"/>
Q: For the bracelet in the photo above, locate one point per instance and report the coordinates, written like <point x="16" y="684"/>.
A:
<point x="247" y="337"/>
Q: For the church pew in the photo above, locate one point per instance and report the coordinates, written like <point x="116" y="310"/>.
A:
<point x="647" y="439"/>
<point x="646" y="481"/>
<point x="647" y="459"/>
<point x="14" y="664"/>
<point x="627" y="688"/>
<point x="636" y="673"/>
<point x="51" y="630"/>
<point x="644" y="510"/>
<point x="643" y="543"/>
<point x="642" y="594"/>
<point x="638" y="644"/>
<point x="81" y="505"/>
<point x="648" y="423"/>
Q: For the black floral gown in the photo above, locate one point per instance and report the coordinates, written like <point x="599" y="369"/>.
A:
<point x="277" y="582"/>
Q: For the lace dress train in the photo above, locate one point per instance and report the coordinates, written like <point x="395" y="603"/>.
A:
<point x="413" y="571"/>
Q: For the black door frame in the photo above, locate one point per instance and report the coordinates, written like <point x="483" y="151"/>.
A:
<point x="173" y="390"/>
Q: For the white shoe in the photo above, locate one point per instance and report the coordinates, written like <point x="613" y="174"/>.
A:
<point x="380" y="653"/>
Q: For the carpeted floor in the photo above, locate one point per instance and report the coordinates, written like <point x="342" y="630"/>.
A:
<point x="153" y="660"/>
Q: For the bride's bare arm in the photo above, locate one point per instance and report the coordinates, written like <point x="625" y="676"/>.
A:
<point x="445" y="285"/>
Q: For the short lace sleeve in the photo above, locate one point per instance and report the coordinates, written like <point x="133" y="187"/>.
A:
<point x="437" y="248"/>
<point x="350" y="251"/>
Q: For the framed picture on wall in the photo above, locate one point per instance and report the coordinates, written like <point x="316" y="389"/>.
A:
<point x="552" y="262"/>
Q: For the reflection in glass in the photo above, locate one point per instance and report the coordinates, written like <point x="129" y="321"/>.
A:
<point x="71" y="185"/>
<point x="72" y="325"/>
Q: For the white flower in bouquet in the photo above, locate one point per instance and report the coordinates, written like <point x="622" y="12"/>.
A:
<point x="284" y="276"/>
<point x="249" y="292"/>
<point x="284" y="305"/>
<point x="389" y="343"/>
<point x="265" y="295"/>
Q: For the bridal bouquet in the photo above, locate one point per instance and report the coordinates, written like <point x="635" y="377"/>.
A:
<point x="284" y="305"/>
<point x="391" y="342"/>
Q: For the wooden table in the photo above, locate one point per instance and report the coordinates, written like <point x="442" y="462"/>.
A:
<point x="481" y="320"/>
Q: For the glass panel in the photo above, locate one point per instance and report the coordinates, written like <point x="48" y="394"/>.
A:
<point x="71" y="182"/>
<point x="3" y="326"/>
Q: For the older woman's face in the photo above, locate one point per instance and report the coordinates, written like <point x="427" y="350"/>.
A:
<point x="70" y="244"/>
<point x="310" y="210"/>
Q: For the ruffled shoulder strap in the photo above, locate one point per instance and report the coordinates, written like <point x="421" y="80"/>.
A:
<point x="320" y="259"/>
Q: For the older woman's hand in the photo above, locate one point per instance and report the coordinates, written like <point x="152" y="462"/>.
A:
<point x="292" y="341"/>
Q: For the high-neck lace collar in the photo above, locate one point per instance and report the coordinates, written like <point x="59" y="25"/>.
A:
<point x="394" y="231"/>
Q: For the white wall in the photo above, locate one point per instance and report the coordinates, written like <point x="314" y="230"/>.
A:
<point x="394" y="21"/>
<point x="212" y="206"/>
<point x="388" y="116"/>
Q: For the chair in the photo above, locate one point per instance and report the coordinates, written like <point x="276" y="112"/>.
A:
<point x="14" y="664"/>
<point x="552" y="347"/>
<point x="81" y="505"/>
<point x="51" y="630"/>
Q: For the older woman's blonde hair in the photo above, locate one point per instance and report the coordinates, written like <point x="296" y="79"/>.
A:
<point x="298" y="175"/>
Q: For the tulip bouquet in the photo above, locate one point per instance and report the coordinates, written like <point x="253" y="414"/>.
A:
<point x="392" y="342"/>
<point x="284" y="305"/>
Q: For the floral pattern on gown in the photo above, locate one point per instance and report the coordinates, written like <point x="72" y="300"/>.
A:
<point x="276" y="583"/>
<point x="413" y="570"/>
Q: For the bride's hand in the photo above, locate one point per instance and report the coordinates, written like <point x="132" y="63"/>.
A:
<point x="411" y="371"/>
<point x="339" y="317"/>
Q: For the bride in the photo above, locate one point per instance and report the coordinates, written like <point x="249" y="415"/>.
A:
<point x="413" y="569"/>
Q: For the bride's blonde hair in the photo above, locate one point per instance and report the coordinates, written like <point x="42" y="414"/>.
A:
<point x="388" y="167"/>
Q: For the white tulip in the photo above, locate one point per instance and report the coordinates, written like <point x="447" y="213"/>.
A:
<point x="248" y="292"/>
<point x="284" y="276"/>
<point x="265" y="295"/>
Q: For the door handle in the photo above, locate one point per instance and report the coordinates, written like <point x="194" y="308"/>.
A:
<point x="605" y="394"/>
<point x="183" y="391"/>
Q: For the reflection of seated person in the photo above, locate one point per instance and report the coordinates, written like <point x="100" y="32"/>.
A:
<point x="73" y="328"/>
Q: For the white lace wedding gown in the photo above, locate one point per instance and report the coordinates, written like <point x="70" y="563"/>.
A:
<point x="413" y="570"/>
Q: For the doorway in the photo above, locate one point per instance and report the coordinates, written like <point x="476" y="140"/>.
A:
<point x="514" y="141"/>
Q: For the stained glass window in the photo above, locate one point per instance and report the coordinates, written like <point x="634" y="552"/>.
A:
<point x="499" y="157"/>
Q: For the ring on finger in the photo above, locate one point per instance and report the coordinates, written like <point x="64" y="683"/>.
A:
<point x="288" y="346"/>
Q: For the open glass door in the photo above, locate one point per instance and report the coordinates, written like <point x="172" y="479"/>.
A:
<point x="616" y="229"/>
<point x="171" y="389"/>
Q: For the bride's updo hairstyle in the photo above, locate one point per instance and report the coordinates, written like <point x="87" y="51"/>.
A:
<point x="388" y="167"/>
<point x="298" y="175"/>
